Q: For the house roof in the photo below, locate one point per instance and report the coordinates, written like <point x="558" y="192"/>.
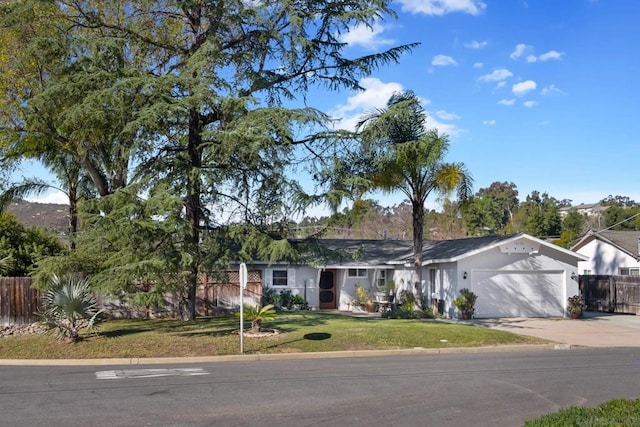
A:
<point x="625" y="241"/>
<point x="393" y="252"/>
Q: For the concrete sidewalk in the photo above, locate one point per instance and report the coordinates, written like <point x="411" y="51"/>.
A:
<point x="595" y="329"/>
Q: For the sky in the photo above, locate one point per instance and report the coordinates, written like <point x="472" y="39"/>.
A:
<point x="541" y="93"/>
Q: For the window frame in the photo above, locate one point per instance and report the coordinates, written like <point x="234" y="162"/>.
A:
<point x="275" y="281"/>
<point x="357" y="273"/>
<point x="630" y="271"/>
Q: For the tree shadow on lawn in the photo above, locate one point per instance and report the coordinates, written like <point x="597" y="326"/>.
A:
<point x="115" y="333"/>
<point x="312" y="336"/>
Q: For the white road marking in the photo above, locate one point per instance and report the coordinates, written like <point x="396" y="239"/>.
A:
<point x="149" y="373"/>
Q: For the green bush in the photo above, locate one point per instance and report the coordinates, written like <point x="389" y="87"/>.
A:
<point x="617" y="412"/>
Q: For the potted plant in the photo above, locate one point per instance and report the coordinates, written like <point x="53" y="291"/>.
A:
<point x="466" y="303"/>
<point x="362" y="299"/>
<point x="575" y="306"/>
<point x="299" y="302"/>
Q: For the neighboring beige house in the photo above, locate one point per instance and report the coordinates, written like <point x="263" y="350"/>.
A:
<point x="609" y="253"/>
<point x="514" y="276"/>
<point x="588" y="209"/>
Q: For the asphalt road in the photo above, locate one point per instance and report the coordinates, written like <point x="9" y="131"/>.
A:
<point x="484" y="389"/>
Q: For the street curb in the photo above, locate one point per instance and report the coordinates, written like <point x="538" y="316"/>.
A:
<point x="417" y="351"/>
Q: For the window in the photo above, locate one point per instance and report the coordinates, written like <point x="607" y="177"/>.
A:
<point x="586" y="272"/>
<point x="280" y="278"/>
<point x="630" y="271"/>
<point x="357" y="272"/>
<point x="382" y="278"/>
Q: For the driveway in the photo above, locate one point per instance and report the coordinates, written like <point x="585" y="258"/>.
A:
<point x="595" y="329"/>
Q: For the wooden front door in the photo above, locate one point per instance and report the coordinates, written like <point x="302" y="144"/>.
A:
<point x="327" y="290"/>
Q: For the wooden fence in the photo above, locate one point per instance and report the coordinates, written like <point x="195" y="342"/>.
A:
<point x="614" y="294"/>
<point x="18" y="301"/>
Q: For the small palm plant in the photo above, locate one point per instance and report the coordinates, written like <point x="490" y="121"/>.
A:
<point x="466" y="303"/>
<point x="69" y="306"/>
<point x="257" y="315"/>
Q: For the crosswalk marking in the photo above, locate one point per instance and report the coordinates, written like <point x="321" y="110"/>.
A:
<point x="149" y="373"/>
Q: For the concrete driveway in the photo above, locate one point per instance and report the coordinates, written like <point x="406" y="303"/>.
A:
<point x="595" y="329"/>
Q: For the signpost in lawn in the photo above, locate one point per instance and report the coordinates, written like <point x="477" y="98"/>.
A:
<point x="243" y="285"/>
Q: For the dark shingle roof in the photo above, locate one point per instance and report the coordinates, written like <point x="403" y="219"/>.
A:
<point x="379" y="252"/>
<point x="625" y="240"/>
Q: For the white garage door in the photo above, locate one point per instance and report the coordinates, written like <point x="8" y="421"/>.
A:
<point x="518" y="293"/>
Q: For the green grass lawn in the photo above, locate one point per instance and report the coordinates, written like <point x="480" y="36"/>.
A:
<point x="302" y="331"/>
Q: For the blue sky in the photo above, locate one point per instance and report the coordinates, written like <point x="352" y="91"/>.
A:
<point x="541" y="93"/>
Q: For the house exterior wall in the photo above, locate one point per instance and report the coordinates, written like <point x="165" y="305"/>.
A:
<point x="346" y="286"/>
<point x="545" y="260"/>
<point x="301" y="280"/>
<point x="604" y="259"/>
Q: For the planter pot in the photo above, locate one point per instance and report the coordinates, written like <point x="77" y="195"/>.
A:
<point x="575" y="314"/>
<point x="467" y="315"/>
<point x="371" y="307"/>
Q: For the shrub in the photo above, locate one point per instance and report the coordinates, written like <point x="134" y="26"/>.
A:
<point x="620" y="412"/>
<point x="286" y="298"/>
<point x="257" y="315"/>
<point x="69" y="306"/>
<point x="466" y="303"/>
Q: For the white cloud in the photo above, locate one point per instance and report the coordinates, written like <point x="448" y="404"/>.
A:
<point x="375" y="95"/>
<point x="544" y="123"/>
<point x="488" y="122"/>
<point x="551" y="55"/>
<point x="367" y="37"/>
<point x="507" y="102"/>
<point x="54" y="196"/>
<point x="530" y="104"/>
<point x="497" y="75"/>
<point x="519" y="51"/>
<point x="478" y="65"/>
<point x="445" y="115"/>
<point x="552" y="90"/>
<point x="443" y="60"/>
<point x="474" y="44"/>
<point x="501" y="84"/>
<point x="522" y="88"/>
<point x="442" y="7"/>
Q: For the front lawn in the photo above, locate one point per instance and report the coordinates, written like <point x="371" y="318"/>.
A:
<point x="303" y="331"/>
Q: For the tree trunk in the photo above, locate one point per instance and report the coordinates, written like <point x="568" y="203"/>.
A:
<point x="193" y="210"/>
<point x="73" y="216"/>
<point x="418" y="236"/>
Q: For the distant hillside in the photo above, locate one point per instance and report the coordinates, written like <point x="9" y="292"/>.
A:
<point x="47" y="215"/>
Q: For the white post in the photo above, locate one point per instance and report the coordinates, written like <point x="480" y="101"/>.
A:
<point x="243" y="285"/>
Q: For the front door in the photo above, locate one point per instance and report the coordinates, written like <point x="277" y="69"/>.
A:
<point x="327" y="290"/>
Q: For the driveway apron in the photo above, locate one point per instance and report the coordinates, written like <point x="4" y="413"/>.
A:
<point x="594" y="329"/>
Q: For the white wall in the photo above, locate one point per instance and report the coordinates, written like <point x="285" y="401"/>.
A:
<point x="545" y="260"/>
<point x="300" y="280"/>
<point x="604" y="259"/>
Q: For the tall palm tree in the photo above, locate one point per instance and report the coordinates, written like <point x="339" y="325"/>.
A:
<point x="405" y="156"/>
<point x="75" y="185"/>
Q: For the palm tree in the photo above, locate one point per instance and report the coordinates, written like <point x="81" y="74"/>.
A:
<point x="69" y="306"/>
<point x="405" y="156"/>
<point x="67" y="170"/>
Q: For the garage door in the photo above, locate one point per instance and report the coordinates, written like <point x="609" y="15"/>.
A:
<point x="518" y="293"/>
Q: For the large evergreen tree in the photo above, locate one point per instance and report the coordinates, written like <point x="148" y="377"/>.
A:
<point x="201" y="100"/>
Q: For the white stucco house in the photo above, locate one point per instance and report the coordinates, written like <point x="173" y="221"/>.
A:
<point x="609" y="253"/>
<point x="514" y="276"/>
